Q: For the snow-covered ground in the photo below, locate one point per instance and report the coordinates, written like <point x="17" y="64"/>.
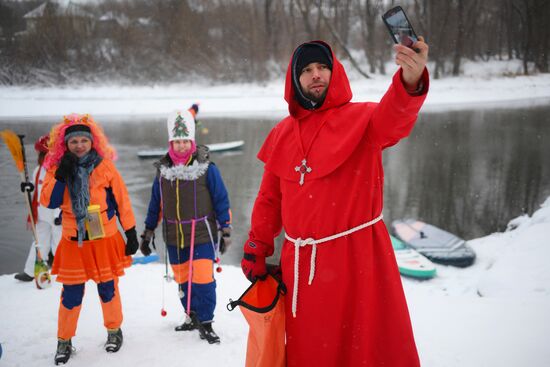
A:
<point x="509" y="326"/>
<point x="481" y="85"/>
<point x="494" y="313"/>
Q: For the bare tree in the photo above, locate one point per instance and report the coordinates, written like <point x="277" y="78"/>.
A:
<point x="143" y="41"/>
<point x="374" y="37"/>
<point x="305" y="8"/>
<point x="342" y="44"/>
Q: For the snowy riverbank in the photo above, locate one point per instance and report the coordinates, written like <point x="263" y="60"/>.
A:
<point x="481" y="85"/>
<point x="454" y="327"/>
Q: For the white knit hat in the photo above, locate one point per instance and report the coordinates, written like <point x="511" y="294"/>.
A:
<point x="181" y="126"/>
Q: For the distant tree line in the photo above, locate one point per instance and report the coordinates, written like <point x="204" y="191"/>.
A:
<point x="143" y="41"/>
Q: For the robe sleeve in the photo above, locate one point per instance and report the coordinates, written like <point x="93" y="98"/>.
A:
<point x="266" y="222"/>
<point x="395" y="115"/>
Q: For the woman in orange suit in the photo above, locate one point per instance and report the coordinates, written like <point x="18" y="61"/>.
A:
<point x="84" y="183"/>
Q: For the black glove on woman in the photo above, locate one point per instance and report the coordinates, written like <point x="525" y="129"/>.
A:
<point x="131" y="241"/>
<point x="225" y="241"/>
<point x="67" y="167"/>
<point x="146" y="237"/>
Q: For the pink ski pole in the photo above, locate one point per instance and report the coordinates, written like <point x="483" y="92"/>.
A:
<point x="190" y="277"/>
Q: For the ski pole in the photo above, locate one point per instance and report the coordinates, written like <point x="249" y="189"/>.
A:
<point x="190" y="277"/>
<point x="167" y="277"/>
<point x="163" y="310"/>
<point x="215" y="246"/>
<point x="217" y="253"/>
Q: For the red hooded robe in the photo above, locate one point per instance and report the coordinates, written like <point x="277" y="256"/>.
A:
<point x="354" y="313"/>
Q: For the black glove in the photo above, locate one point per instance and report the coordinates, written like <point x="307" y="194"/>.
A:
<point x="27" y="186"/>
<point x="225" y="241"/>
<point x="131" y="241"/>
<point x="67" y="167"/>
<point x="146" y="237"/>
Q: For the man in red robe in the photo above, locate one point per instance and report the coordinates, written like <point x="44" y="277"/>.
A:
<point x="323" y="184"/>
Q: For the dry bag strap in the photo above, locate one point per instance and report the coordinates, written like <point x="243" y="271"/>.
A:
<point x="281" y="290"/>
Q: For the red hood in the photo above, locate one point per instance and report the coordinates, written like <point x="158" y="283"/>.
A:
<point x="341" y="126"/>
<point x="339" y="91"/>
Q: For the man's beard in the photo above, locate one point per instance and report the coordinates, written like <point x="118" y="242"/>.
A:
<point x="317" y="99"/>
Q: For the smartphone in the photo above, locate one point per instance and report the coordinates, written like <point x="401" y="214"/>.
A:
<point x="399" y="26"/>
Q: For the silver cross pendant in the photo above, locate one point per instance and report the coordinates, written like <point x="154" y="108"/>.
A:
<point x="303" y="169"/>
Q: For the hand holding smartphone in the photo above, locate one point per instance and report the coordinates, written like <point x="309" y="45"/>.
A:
<point x="399" y="27"/>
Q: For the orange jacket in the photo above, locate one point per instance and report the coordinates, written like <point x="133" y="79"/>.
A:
<point x="107" y="189"/>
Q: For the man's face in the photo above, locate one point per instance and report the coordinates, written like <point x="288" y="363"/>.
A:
<point x="314" y="81"/>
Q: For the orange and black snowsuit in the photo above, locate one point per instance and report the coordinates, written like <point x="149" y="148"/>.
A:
<point x="101" y="260"/>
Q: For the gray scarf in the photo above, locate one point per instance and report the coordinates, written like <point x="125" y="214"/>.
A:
<point x="79" y="190"/>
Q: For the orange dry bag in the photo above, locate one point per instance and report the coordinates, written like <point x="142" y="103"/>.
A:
<point x="262" y="304"/>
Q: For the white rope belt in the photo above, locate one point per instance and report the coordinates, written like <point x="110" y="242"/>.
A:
<point x="310" y="241"/>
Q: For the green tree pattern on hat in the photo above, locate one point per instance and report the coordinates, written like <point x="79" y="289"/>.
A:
<point x="180" y="130"/>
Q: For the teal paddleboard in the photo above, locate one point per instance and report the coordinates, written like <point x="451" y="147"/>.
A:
<point x="410" y="262"/>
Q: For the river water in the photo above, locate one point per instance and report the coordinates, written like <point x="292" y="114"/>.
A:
<point x="468" y="171"/>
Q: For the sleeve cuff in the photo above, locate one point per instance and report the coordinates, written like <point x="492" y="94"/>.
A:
<point x="419" y="89"/>
<point x="422" y="87"/>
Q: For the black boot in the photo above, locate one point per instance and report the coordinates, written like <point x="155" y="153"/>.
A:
<point x="186" y="326"/>
<point x="114" y="340"/>
<point x="24" y="277"/>
<point x="208" y="333"/>
<point x="191" y="323"/>
<point x="64" y="351"/>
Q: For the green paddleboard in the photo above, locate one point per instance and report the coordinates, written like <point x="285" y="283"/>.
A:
<point x="410" y="262"/>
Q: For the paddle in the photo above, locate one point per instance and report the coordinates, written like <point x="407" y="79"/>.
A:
<point x="15" y="144"/>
